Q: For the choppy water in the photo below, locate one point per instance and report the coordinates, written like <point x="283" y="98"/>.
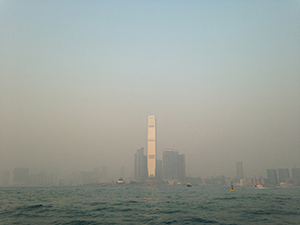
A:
<point x="149" y="205"/>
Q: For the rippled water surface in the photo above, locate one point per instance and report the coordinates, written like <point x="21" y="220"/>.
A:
<point x="149" y="205"/>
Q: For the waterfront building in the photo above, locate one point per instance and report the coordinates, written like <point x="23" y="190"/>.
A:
<point x="283" y="175"/>
<point x="272" y="176"/>
<point x="296" y="175"/>
<point x="170" y="165"/>
<point x="140" y="165"/>
<point x="151" y="147"/>
<point x="296" y="172"/>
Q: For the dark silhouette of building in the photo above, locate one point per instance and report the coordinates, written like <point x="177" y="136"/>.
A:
<point x="170" y="165"/>
<point x="272" y="176"/>
<point x="296" y="175"/>
<point x="173" y="166"/>
<point x="283" y="175"/>
<point x="140" y="165"/>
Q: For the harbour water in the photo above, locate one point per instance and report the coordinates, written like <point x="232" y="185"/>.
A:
<point x="126" y="204"/>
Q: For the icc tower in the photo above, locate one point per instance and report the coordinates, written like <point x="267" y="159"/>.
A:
<point x="151" y="147"/>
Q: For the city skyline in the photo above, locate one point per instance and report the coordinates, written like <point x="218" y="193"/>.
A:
<point x="151" y="138"/>
<point x="173" y="174"/>
<point x="78" y="80"/>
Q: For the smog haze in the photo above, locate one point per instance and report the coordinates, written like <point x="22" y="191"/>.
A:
<point x="80" y="78"/>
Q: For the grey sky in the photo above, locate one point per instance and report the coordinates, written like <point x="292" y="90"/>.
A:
<point x="79" y="79"/>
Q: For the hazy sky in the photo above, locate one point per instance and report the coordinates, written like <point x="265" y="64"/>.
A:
<point x="79" y="79"/>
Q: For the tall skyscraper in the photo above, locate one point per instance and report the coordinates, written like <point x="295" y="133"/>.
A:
<point x="170" y="165"/>
<point x="272" y="176"/>
<point x="140" y="165"/>
<point x="239" y="170"/>
<point x="283" y="174"/>
<point x="151" y="147"/>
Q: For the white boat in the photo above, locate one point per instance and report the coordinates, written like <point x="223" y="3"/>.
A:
<point x="258" y="186"/>
<point x="120" y="181"/>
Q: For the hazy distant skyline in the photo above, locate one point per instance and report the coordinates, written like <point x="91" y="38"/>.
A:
<point x="78" y="80"/>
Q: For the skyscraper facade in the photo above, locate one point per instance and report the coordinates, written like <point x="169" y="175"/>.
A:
<point x="239" y="170"/>
<point x="170" y="165"/>
<point x="283" y="175"/>
<point x="151" y="147"/>
<point x="272" y="176"/>
<point x="140" y="165"/>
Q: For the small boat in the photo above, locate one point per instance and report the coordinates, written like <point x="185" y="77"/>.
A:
<point x="232" y="188"/>
<point x="258" y="186"/>
<point x="121" y="181"/>
<point x="189" y="185"/>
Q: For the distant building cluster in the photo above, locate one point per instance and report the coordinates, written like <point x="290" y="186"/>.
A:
<point x="20" y="177"/>
<point x="283" y="177"/>
<point x="280" y="177"/>
<point x="148" y="168"/>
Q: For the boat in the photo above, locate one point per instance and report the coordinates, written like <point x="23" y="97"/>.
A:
<point x="232" y="188"/>
<point x="258" y="186"/>
<point x="121" y="181"/>
<point x="189" y="185"/>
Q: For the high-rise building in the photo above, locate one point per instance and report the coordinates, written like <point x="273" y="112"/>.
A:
<point x="272" y="176"/>
<point x="151" y="147"/>
<point x="170" y="165"/>
<point x="140" y="165"/>
<point x="296" y="175"/>
<point x="181" y="167"/>
<point x="296" y="172"/>
<point x="283" y="175"/>
<point x="239" y="170"/>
